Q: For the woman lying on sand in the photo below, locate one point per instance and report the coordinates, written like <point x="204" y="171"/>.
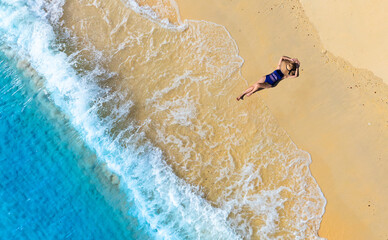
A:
<point x="287" y="68"/>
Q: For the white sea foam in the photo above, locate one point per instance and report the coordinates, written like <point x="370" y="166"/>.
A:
<point x="171" y="207"/>
<point x="149" y="13"/>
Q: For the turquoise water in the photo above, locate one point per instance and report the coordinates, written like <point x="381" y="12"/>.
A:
<point x="47" y="186"/>
<point x="63" y="174"/>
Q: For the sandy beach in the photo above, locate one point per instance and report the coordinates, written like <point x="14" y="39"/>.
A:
<point x="178" y="86"/>
<point x="121" y="120"/>
<point x="335" y="111"/>
<point x="355" y="22"/>
<point x="183" y="85"/>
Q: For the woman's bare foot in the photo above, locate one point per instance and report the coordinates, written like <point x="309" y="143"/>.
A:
<point x="240" y="98"/>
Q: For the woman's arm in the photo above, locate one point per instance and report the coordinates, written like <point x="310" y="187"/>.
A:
<point x="288" y="58"/>
<point x="280" y="62"/>
<point x="296" y="73"/>
<point x="284" y="58"/>
<point x="296" y="61"/>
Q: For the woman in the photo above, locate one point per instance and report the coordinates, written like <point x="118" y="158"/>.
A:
<point x="287" y="68"/>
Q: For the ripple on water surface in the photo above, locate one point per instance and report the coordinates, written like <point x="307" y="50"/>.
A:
<point x="47" y="186"/>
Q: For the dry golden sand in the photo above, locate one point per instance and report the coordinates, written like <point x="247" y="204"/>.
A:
<point x="338" y="113"/>
<point x="361" y="23"/>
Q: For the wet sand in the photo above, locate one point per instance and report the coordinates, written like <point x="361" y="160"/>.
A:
<point x="336" y="112"/>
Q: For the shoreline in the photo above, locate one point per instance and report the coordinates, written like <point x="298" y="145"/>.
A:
<point x="334" y="111"/>
<point x="185" y="111"/>
<point x="320" y="110"/>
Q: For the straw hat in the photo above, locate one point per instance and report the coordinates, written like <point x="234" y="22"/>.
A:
<point x="290" y="66"/>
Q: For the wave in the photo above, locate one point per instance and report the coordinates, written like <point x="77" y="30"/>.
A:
<point x="171" y="207"/>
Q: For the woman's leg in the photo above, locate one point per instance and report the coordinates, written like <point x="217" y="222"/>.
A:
<point x="258" y="87"/>
<point x="261" y="84"/>
<point x="244" y="93"/>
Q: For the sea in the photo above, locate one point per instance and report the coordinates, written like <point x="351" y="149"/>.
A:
<point x="117" y="122"/>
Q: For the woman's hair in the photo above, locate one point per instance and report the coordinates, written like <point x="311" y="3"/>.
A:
<point x="291" y="66"/>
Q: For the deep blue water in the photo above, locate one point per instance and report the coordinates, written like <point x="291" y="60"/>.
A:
<point x="48" y="189"/>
